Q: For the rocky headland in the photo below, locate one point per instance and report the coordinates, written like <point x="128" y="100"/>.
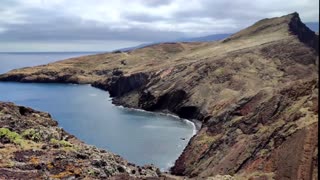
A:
<point x="256" y="94"/>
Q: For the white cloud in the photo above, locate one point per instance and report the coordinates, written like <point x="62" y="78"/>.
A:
<point x="2" y="30"/>
<point x="11" y="16"/>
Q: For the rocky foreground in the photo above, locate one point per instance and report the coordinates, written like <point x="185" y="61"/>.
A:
<point x="32" y="146"/>
<point x="255" y="92"/>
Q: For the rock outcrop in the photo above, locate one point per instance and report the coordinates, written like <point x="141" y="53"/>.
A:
<point x="118" y="85"/>
<point x="255" y="92"/>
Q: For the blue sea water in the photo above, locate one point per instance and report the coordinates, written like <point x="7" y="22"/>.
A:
<point x="87" y="112"/>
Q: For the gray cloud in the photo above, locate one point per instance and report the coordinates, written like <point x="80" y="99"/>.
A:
<point x="64" y="21"/>
<point x="156" y="3"/>
<point x="73" y="29"/>
<point x="145" y="18"/>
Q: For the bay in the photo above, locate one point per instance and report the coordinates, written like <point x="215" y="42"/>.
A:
<point x="86" y="112"/>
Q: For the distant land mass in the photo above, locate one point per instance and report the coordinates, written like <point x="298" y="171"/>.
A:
<point x="314" y="26"/>
<point x="255" y="92"/>
<point x="215" y="37"/>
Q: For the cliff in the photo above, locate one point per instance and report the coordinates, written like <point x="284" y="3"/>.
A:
<point x="256" y="93"/>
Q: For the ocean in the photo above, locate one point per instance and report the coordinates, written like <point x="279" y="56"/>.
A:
<point x="86" y="112"/>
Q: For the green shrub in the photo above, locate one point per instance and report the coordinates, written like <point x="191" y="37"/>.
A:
<point x="62" y="143"/>
<point x="32" y="135"/>
<point x="12" y="136"/>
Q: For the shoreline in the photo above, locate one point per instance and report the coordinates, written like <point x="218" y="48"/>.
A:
<point x="196" y="125"/>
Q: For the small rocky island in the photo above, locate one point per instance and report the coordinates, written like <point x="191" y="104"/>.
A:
<point x="256" y="94"/>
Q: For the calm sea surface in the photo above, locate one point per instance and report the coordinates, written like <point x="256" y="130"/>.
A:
<point x="87" y="112"/>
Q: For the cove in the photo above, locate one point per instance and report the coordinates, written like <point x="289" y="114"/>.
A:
<point x="86" y="112"/>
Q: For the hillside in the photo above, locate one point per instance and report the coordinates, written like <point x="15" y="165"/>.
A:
<point x="256" y="93"/>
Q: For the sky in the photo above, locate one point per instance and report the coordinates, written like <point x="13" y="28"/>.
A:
<point x="105" y="25"/>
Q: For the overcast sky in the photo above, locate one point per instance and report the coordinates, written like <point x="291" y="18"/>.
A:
<point x="103" y="25"/>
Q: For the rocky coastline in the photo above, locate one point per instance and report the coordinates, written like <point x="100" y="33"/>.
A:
<point x="255" y="93"/>
<point x="32" y="146"/>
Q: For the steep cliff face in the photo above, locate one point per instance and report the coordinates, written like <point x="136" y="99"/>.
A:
<point x="256" y="93"/>
<point x="118" y="85"/>
<point x="271" y="134"/>
<point x="304" y="34"/>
